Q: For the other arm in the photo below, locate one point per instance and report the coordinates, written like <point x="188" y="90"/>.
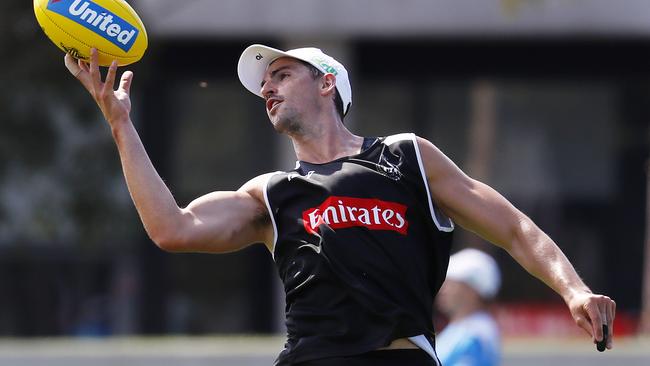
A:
<point x="479" y="208"/>
<point x="217" y="222"/>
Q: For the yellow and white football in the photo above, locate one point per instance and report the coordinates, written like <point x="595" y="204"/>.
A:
<point x="110" y="26"/>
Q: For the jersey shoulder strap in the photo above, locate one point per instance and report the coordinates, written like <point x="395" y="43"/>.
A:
<point x="408" y="141"/>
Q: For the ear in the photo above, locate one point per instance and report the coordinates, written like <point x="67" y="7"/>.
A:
<point x="328" y="84"/>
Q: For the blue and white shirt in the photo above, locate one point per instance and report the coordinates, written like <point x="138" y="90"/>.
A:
<point x="472" y="341"/>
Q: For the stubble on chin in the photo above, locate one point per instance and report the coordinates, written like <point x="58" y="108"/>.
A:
<point x="289" y="125"/>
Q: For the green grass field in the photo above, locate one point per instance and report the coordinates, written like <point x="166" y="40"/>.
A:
<point x="261" y="350"/>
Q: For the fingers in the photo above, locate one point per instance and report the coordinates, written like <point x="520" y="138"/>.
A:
<point x="598" y="311"/>
<point x="90" y="75"/>
<point x="603" y="339"/>
<point x="592" y="320"/>
<point x="611" y="314"/>
<point x="83" y="65"/>
<point x="125" y="82"/>
<point x="79" y="69"/>
<point x="595" y="314"/>
<point x="583" y="323"/>
<point x="95" y="76"/>
<point x="72" y="65"/>
<point x="607" y="311"/>
<point x="107" y="88"/>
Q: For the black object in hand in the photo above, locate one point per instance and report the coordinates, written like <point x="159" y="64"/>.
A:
<point x="600" y="346"/>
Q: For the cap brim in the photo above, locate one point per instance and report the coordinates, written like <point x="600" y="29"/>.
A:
<point x="253" y="63"/>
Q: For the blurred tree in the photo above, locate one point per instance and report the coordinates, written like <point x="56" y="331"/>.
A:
<point x="60" y="180"/>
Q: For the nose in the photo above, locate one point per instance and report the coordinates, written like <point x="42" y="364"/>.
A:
<point x="268" y="89"/>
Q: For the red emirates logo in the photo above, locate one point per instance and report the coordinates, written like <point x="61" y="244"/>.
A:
<point x="344" y="212"/>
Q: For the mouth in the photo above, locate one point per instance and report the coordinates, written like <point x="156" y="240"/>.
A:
<point x="272" y="103"/>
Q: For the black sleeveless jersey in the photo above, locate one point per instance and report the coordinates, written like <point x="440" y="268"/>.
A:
<point x="361" y="249"/>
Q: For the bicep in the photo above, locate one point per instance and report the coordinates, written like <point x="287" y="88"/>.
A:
<point x="473" y="205"/>
<point x="225" y="221"/>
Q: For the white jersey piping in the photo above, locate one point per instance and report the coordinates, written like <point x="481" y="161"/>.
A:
<point x="432" y="209"/>
<point x="422" y="342"/>
<point x="268" y="207"/>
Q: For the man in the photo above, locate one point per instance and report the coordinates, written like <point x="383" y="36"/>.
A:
<point x="360" y="230"/>
<point x="471" y="338"/>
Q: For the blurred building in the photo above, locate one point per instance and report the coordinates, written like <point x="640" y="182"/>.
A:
<point x="547" y="101"/>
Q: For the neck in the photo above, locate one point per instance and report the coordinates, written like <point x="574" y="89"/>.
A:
<point x="326" y="140"/>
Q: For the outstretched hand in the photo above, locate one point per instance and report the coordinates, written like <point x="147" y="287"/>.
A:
<point x="114" y="104"/>
<point x="591" y="312"/>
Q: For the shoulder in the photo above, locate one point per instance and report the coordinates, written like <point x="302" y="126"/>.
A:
<point x="436" y="164"/>
<point x="399" y="138"/>
<point x="404" y="143"/>
<point x="257" y="186"/>
<point x="424" y="148"/>
<point x="406" y="137"/>
<point x="431" y="159"/>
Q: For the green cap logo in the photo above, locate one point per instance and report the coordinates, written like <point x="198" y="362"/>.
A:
<point x="325" y="65"/>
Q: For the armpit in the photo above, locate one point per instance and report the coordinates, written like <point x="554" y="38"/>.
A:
<point x="261" y="217"/>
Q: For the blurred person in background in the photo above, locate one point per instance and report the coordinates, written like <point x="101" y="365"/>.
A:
<point x="472" y="337"/>
<point x="360" y="230"/>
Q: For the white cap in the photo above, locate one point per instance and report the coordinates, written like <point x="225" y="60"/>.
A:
<point x="476" y="269"/>
<point x="256" y="58"/>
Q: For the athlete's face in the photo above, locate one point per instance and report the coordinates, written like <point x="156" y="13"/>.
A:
<point x="291" y="94"/>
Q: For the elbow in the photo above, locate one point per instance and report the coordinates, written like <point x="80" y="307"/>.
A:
<point x="170" y="235"/>
<point x="526" y="237"/>
<point x="514" y="234"/>
<point x="167" y="240"/>
<point x="170" y="246"/>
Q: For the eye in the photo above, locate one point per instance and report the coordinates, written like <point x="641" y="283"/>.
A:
<point x="284" y="75"/>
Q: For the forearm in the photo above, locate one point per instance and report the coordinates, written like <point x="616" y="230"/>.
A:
<point x="542" y="258"/>
<point x="477" y="207"/>
<point x="154" y="202"/>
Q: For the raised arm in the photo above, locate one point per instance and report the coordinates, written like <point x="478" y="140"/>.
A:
<point x="480" y="209"/>
<point x="217" y="222"/>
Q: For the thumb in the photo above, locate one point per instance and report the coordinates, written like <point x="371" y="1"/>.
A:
<point x="582" y="318"/>
<point x="125" y="82"/>
<point x="584" y="323"/>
